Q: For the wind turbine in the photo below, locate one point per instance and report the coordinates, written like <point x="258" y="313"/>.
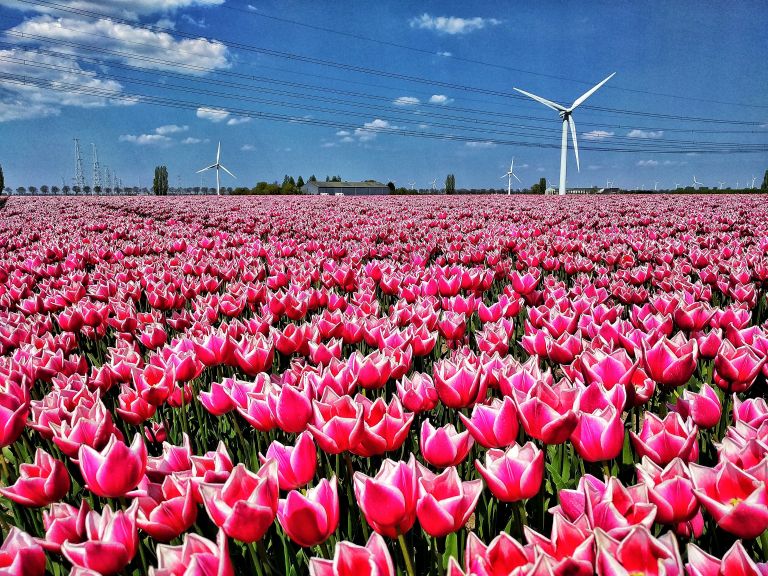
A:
<point x="655" y="186"/>
<point x="721" y="185"/>
<point x="218" y="165"/>
<point x="509" y="176"/>
<point x="753" y="182"/>
<point x="677" y="185"/>
<point x="434" y="184"/>
<point x="566" y="115"/>
<point x="412" y="184"/>
<point x="696" y="182"/>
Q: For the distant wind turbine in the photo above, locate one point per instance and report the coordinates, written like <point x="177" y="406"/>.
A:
<point x="753" y="182"/>
<point x="677" y="185"/>
<point x="509" y="175"/>
<point x="721" y="185"/>
<point x="218" y="165"/>
<point x="412" y="184"/>
<point x="566" y="115"/>
<point x="434" y="184"/>
<point x="655" y="186"/>
<point x="696" y="182"/>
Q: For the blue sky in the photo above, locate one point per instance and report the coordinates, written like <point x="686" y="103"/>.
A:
<point x="674" y="61"/>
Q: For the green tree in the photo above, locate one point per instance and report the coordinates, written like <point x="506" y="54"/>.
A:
<point x="764" y="187"/>
<point x="160" y="181"/>
<point x="391" y="186"/>
<point x="542" y="185"/>
<point x="450" y="184"/>
<point x="300" y="182"/>
<point x="312" y="178"/>
<point x="2" y="179"/>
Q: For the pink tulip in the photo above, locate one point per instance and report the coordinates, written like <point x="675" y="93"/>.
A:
<point x="295" y="464"/>
<point x="196" y="556"/>
<point x="670" y="489"/>
<point x="154" y="383"/>
<point x="752" y="411"/>
<point x="116" y="469"/>
<point x="246" y="504"/>
<point x="444" y="447"/>
<point x="337" y="423"/>
<point x="167" y="510"/>
<point x="609" y="369"/>
<point x="664" y="440"/>
<point x="132" y="408"/>
<point x="546" y="412"/>
<point x="570" y="547"/>
<point x="62" y="523"/>
<point x="504" y="555"/>
<point x="736" y="500"/>
<point x="515" y="474"/>
<point x="637" y="553"/>
<point x="14" y="407"/>
<point x="41" y="483"/>
<point x="310" y="519"/>
<point x="599" y="436"/>
<point x="371" y="371"/>
<point x="445" y="502"/>
<point x="352" y="560"/>
<point x="417" y="392"/>
<point x="20" y="555"/>
<point x="388" y="500"/>
<point x="735" y="561"/>
<point x="111" y="543"/>
<point x="493" y="425"/>
<point x="457" y="384"/>
<point x="703" y="407"/>
<point x="385" y="428"/>
<point x="291" y="407"/>
<point x="671" y="362"/>
<point x="737" y="368"/>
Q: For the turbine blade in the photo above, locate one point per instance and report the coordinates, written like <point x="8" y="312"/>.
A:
<point x="547" y="103"/>
<point x="227" y="171"/>
<point x="572" y="124"/>
<point x="588" y="93"/>
<point x="206" y="168"/>
<point x="516" y="178"/>
<point x="505" y="175"/>
<point x="218" y="152"/>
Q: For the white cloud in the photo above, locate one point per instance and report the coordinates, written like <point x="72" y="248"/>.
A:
<point x="675" y="162"/>
<point x="25" y="101"/>
<point x="406" y="101"/>
<point x="124" y="8"/>
<point x="370" y="130"/>
<point x="247" y="147"/>
<point x="440" y="99"/>
<point x="342" y="133"/>
<point x="238" y="120"/>
<point x="480" y="144"/>
<point x="452" y="24"/>
<point x="198" y="23"/>
<point x="212" y="114"/>
<point x="648" y="163"/>
<point x="645" y="134"/>
<point x="128" y="44"/>
<point x="327" y="144"/>
<point x="597" y="135"/>
<point x="423" y="126"/>
<point x="446" y="54"/>
<point x="145" y="139"/>
<point x="347" y="139"/>
<point x="191" y="140"/>
<point x="170" y="129"/>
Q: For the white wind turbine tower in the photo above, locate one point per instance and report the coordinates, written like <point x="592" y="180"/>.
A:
<point x="753" y="182"/>
<point x="566" y="115"/>
<point x="655" y="186"/>
<point x="677" y="185"/>
<point x="696" y="182"/>
<point x="412" y="184"/>
<point x="721" y="185"/>
<point x="509" y="175"/>
<point x="434" y="184"/>
<point x="218" y="165"/>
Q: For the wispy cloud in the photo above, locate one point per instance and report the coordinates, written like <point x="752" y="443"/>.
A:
<point x="637" y="133"/>
<point x="170" y="129"/>
<point x="452" y="24"/>
<point x="131" y="9"/>
<point x="440" y="99"/>
<point x="247" y="147"/>
<point x="480" y="144"/>
<point x="145" y="139"/>
<point x="648" y="163"/>
<point x="406" y="101"/>
<point x="191" y="140"/>
<point x="444" y="53"/>
<point x="238" y="120"/>
<point x="212" y="114"/>
<point x="597" y="135"/>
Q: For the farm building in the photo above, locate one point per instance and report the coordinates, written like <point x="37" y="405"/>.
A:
<point x="345" y="188"/>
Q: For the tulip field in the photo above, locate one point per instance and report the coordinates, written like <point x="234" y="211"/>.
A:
<point x="444" y="386"/>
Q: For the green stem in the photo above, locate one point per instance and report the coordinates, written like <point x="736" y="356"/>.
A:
<point x="406" y="555"/>
<point x="438" y="560"/>
<point x="606" y="470"/>
<point x="764" y="544"/>
<point x="263" y="555"/>
<point x="255" y="558"/>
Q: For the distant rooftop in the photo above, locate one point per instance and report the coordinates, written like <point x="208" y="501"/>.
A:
<point x="348" y="184"/>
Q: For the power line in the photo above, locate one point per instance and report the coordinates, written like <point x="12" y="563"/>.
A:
<point x="175" y="103"/>
<point x="338" y="65"/>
